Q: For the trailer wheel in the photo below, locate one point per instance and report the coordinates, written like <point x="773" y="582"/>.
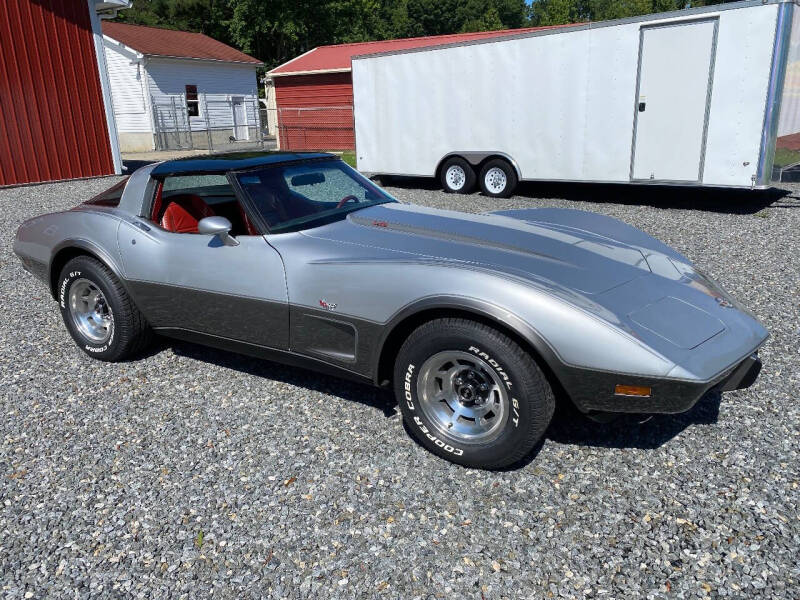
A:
<point x="498" y="178"/>
<point x="457" y="176"/>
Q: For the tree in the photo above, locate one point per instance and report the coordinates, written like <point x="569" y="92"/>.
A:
<point x="275" y="31"/>
<point x="204" y="16"/>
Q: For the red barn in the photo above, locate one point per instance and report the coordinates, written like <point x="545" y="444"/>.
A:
<point x="56" y="121"/>
<point x="314" y="92"/>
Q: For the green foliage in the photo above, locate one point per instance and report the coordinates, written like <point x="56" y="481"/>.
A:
<point x="278" y="30"/>
<point x="204" y="16"/>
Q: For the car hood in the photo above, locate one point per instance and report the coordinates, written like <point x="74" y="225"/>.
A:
<point x="570" y="250"/>
<point x="595" y="263"/>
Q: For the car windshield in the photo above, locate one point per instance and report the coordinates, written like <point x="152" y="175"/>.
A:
<point x="302" y="196"/>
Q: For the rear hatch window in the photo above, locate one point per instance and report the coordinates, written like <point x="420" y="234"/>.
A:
<point x="110" y="197"/>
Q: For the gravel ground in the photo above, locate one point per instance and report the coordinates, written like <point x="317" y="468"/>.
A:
<point x="193" y="472"/>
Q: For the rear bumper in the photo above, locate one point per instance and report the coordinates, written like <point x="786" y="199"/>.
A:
<point x="594" y="391"/>
<point x="34" y="267"/>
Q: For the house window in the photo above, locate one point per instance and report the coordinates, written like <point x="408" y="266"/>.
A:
<point x="192" y="103"/>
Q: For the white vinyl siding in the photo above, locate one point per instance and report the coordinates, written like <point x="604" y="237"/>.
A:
<point x="127" y="78"/>
<point x="216" y="84"/>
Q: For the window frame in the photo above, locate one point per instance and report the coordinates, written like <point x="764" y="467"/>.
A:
<point x="244" y="201"/>
<point x="252" y="211"/>
<point x="194" y="103"/>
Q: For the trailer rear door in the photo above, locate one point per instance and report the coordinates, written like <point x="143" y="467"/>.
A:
<point x="674" y="88"/>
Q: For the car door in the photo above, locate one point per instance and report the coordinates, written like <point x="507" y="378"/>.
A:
<point x="193" y="282"/>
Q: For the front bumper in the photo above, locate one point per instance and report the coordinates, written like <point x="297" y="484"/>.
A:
<point x="594" y="391"/>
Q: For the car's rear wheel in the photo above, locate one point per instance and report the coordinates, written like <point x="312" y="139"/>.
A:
<point x="98" y="313"/>
<point x="498" y="178"/>
<point x="471" y="394"/>
<point x="457" y="176"/>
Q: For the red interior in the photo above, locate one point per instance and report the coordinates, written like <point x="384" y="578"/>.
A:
<point x="183" y="212"/>
<point x="251" y="230"/>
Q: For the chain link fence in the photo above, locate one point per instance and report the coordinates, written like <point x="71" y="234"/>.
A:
<point x="223" y="123"/>
<point x="315" y="128"/>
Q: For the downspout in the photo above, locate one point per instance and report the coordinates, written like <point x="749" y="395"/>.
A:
<point x="105" y="86"/>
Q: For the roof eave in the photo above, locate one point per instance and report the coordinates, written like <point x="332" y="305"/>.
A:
<point x="313" y="72"/>
<point x="198" y="58"/>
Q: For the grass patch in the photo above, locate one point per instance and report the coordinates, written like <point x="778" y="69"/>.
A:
<point x="784" y="157"/>
<point x="350" y="158"/>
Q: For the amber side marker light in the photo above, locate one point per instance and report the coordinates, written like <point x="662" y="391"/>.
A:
<point x="632" y="390"/>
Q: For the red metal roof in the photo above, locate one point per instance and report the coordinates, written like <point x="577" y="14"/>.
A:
<point x="154" y="41"/>
<point x="337" y="57"/>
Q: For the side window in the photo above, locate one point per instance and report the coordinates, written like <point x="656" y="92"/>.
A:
<point x="197" y="184"/>
<point x="183" y="200"/>
<point x="192" y="101"/>
<point x="111" y="196"/>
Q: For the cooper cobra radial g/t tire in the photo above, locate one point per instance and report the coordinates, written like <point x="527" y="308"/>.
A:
<point x="98" y="313"/>
<point x="471" y="394"/>
<point x="457" y="176"/>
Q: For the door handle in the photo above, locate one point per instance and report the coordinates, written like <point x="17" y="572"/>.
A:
<point x="642" y="106"/>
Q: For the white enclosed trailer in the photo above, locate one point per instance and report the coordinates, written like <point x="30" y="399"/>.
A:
<point x="690" y="97"/>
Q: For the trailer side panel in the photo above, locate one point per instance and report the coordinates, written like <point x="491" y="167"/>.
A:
<point x="562" y="105"/>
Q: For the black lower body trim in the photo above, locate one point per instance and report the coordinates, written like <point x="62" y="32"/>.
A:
<point x="743" y="376"/>
<point x="34" y="267"/>
<point x="594" y="391"/>
<point x="281" y="356"/>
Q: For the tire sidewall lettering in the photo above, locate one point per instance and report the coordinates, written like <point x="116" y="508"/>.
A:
<point x="63" y="290"/>
<point x="437" y="441"/>
<point x="408" y="387"/>
<point x="514" y="406"/>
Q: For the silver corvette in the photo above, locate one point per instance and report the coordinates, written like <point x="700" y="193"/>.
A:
<point x="477" y="321"/>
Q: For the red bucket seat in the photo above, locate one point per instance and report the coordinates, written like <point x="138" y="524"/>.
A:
<point x="183" y="212"/>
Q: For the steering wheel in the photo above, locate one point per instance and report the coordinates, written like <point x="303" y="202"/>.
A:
<point x="347" y="199"/>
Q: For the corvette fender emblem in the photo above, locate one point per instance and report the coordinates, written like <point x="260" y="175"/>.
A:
<point x="327" y="305"/>
<point x="723" y="303"/>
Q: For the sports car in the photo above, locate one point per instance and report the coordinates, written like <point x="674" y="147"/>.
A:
<point x="477" y="322"/>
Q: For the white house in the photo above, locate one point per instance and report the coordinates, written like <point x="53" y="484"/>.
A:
<point x="179" y="90"/>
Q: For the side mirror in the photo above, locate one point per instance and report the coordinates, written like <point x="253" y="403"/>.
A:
<point x="218" y="226"/>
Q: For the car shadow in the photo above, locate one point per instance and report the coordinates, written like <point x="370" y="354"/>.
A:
<point x="568" y="426"/>
<point x="646" y="432"/>
<point x="351" y="391"/>
<point x="720" y="200"/>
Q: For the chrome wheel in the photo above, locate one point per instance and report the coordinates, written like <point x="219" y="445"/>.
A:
<point x="90" y="312"/>
<point x="456" y="177"/>
<point x="495" y="180"/>
<point x="463" y="397"/>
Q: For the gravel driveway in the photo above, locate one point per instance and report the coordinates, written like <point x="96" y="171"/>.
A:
<point x="193" y="472"/>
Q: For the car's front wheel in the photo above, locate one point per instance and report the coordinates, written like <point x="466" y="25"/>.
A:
<point x="471" y="394"/>
<point x="98" y="313"/>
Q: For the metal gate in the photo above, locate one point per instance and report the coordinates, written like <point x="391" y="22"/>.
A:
<point x="223" y="124"/>
<point x="171" y="122"/>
